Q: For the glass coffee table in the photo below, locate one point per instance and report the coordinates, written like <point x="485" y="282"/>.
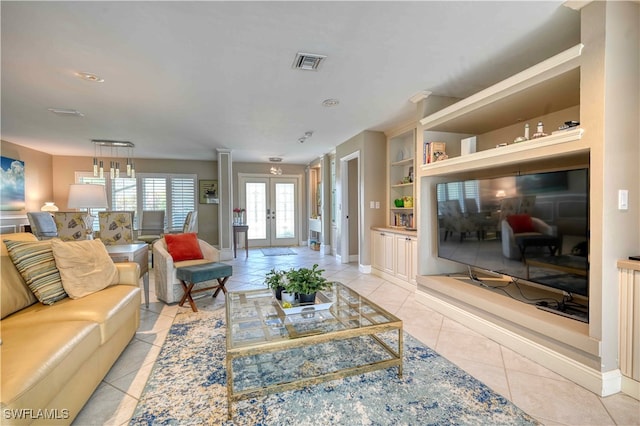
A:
<point x="272" y="349"/>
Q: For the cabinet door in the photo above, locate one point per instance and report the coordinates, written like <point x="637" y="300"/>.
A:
<point x="413" y="260"/>
<point x="377" y="241"/>
<point x="389" y="253"/>
<point x="403" y="252"/>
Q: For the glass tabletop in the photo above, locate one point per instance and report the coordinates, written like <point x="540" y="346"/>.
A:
<point x="256" y="318"/>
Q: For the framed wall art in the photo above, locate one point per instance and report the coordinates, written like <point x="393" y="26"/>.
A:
<point x="11" y="184"/>
<point x="209" y="192"/>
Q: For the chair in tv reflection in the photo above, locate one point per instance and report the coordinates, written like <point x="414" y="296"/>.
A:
<point x="454" y="221"/>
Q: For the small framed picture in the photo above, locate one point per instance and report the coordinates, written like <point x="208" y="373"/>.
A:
<point x="208" y="191"/>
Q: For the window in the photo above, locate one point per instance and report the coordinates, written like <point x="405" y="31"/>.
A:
<point x="459" y="191"/>
<point x="174" y="193"/>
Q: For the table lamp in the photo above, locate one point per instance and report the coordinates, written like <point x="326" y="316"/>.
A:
<point x="87" y="196"/>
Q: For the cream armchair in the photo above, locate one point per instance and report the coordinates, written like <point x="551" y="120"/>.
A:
<point x="168" y="287"/>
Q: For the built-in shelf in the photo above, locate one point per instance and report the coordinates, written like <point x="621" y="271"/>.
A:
<point x="551" y="85"/>
<point x="401" y="185"/>
<point x="405" y="162"/>
<point x="563" y="143"/>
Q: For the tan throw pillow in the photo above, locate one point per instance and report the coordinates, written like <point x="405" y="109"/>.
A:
<point x="85" y="266"/>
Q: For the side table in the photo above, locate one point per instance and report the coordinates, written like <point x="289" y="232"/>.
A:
<point x="236" y="230"/>
<point x="137" y="252"/>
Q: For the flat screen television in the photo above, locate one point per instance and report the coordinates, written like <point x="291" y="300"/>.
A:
<point x="532" y="227"/>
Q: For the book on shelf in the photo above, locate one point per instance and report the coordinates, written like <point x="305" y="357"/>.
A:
<point x="403" y="220"/>
<point x="432" y="151"/>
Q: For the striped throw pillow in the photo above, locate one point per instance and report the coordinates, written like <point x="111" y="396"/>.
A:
<point x="35" y="262"/>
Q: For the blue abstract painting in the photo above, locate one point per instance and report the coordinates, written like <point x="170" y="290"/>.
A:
<point x="11" y="184"/>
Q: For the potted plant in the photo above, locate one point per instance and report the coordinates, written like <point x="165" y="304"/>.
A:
<point x="306" y="282"/>
<point x="276" y="281"/>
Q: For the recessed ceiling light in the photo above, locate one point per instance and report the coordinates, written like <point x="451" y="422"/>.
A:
<point x="330" y="103"/>
<point x="64" y="111"/>
<point x="90" y="77"/>
<point x="275" y="159"/>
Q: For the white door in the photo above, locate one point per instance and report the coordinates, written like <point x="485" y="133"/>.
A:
<point x="271" y="205"/>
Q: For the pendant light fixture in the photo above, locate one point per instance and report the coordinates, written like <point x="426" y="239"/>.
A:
<point x="114" y="161"/>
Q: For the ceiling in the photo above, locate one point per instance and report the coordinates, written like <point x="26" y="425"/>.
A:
<point x="182" y="79"/>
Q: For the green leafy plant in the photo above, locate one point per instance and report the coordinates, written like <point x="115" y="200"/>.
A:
<point x="306" y="280"/>
<point x="275" y="279"/>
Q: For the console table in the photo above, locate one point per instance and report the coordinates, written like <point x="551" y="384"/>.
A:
<point x="137" y="252"/>
<point x="236" y="230"/>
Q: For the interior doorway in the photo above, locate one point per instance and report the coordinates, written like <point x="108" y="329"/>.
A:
<point x="272" y="209"/>
<point x="351" y="208"/>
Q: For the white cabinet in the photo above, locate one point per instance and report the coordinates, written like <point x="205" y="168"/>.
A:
<point x="395" y="257"/>
<point x="383" y="249"/>
<point x="406" y="257"/>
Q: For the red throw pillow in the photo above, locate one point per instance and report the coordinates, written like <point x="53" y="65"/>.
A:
<point x="183" y="246"/>
<point x="520" y="223"/>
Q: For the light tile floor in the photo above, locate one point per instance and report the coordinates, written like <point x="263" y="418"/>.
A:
<point x="550" y="398"/>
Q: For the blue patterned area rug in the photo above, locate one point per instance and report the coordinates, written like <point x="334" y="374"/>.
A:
<point x="188" y="387"/>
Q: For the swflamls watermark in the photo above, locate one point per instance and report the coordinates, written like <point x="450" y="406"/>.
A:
<point x="35" y="414"/>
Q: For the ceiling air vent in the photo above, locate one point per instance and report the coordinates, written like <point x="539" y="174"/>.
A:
<point x="307" y="61"/>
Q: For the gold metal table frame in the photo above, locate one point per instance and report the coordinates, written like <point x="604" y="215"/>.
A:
<point x="249" y="332"/>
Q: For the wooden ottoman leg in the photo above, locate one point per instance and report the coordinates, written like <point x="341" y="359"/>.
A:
<point x="187" y="295"/>
<point x="221" y="283"/>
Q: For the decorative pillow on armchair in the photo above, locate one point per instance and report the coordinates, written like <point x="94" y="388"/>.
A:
<point x="183" y="246"/>
<point x="85" y="266"/>
<point x="520" y="223"/>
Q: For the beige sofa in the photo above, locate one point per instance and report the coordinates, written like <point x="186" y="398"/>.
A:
<point x="54" y="356"/>
<point x="168" y="287"/>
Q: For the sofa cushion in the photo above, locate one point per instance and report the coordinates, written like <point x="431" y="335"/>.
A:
<point x="15" y="294"/>
<point x="520" y="223"/>
<point x="35" y="262"/>
<point x="85" y="266"/>
<point x="37" y="359"/>
<point x="109" y="308"/>
<point x="183" y="246"/>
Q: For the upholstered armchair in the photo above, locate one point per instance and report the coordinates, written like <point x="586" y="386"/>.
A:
<point x="522" y="225"/>
<point x="42" y="225"/>
<point x="73" y="226"/>
<point x="168" y="287"/>
<point x="453" y="220"/>
<point x="116" y="227"/>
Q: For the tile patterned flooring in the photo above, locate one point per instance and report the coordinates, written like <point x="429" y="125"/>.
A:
<point x="550" y="398"/>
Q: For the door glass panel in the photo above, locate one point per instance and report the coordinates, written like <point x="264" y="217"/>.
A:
<point x="285" y="210"/>
<point x="256" y="209"/>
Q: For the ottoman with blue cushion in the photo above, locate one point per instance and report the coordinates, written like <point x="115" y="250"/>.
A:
<point x="194" y="274"/>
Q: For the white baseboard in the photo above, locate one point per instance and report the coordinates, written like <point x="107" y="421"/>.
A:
<point x="600" y="383"/>
<point x="226" y="254"/>
<point x="631" y="387"/>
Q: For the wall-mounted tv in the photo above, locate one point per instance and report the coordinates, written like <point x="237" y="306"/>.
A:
<point x="533" y="227"/>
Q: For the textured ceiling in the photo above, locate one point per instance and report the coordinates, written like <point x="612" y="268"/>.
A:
<point x="185" y="78"/>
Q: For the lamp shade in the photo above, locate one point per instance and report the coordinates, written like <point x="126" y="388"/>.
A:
<point x="86" y="196"/>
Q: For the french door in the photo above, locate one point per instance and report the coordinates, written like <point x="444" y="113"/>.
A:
<point x="272" y="210"/>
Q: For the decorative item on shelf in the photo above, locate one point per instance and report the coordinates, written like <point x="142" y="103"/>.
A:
<point x="525" y="137"/>
<point x="568" y="125"/>
<point x="49" y="206"/>
<point x="539" y="131"/>
<point x="436" y="151"/>
<point x="238" y="216"/>
<point x="411" y="174"/>
<point x="408" y="201"/>
<point x="468" y="145"/>
<point x="406" y="179"/>
<point x="500" y="145"/>
<point x="399" y="202"/>
<point x="114" y="163"/>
